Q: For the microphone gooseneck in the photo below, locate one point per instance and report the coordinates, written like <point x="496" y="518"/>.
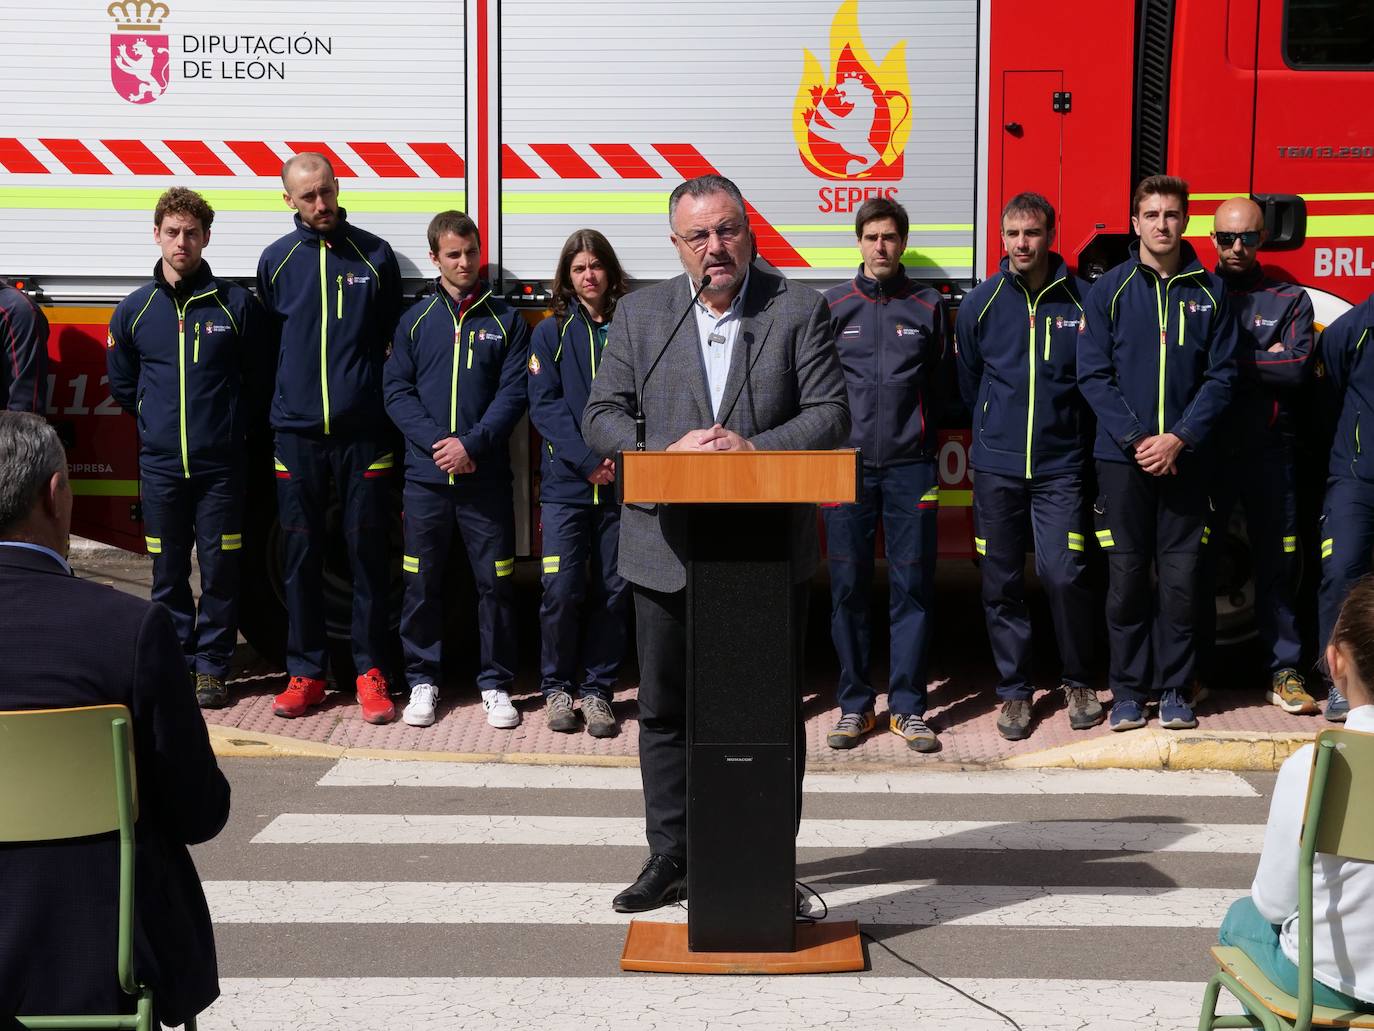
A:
<point x="639" y="395"/>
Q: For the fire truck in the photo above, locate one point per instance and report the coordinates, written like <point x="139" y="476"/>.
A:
<point x="539" y="117"/>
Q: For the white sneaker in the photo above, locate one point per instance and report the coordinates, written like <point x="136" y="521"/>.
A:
<point x="420" y="711"/>
<point x="500" y="713"/>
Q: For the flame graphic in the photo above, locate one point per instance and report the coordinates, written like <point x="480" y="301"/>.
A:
<point x="854" y="123"/>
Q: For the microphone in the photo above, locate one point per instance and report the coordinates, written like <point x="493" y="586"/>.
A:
<point x="639" y="397"/>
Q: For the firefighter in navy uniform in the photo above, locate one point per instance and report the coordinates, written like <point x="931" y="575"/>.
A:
<point x="584" y="614"/>
<point x="23" y="353"/>
<point x="1156" y="364"/>
<point x="890" y="335"/>
<point x="455" y="386"/>
<point x="1347" y="534"/>
<point x="189" y="356"/>
<point x="333" y="292"/>
<point x="1017" y="341"/>
<point x="1255" y="448"/>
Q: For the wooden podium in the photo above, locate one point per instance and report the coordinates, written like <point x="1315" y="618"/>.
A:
<point x="745" y="747"/>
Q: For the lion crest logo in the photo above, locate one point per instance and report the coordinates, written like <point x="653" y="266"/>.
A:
<point x="140" y="57"/>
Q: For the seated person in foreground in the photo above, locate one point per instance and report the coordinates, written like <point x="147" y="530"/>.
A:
<point x="1264" y="925"/>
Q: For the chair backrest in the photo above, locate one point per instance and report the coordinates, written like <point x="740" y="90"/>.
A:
<point x="60" y="772"/>
<point x="1345" y="827"/>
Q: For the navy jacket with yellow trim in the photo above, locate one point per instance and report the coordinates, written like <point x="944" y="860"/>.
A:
<point x="193" y="363"/>
<point x="1158" y="356"/>
<point x="564" y="357"/>
<point x="458" y="372"/>
<point x="1018" y="361"/>
<point x="333" y="300"/>
<point x="1347" y="354"/>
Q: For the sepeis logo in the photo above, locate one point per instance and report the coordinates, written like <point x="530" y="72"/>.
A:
<point x="140" y="57"/>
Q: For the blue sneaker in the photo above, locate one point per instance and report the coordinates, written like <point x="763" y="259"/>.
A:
<point x="1337" y="707"/>
<point x="1175" y="713"/>
<point x="1127" y="715"/>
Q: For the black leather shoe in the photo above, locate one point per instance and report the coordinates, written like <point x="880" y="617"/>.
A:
<point x="661" y="881"/>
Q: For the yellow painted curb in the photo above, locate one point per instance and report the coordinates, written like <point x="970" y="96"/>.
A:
<point x="1153" y="749"/>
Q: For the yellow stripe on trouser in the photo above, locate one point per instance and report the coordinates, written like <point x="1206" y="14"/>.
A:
<point x="1328" y="546"/>
<point x="980" y="545"/>
<point x="551" y="563"/>
<point x="505" y="566"/>
<point x="231" y="542"/>
<point x="1104" y="538"/>
<point x="931" y="495"/>
<point x="387" y="461"/>
<point x="1075" y="541"/>
<point x="1206" y="534"/>
<point x="281" y="467"/>
<point x="1290" y="545"/>
<point x="154" y="545"/>
<point x="410" y="563"/>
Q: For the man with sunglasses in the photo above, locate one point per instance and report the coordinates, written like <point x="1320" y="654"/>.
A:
<point x="751" y="366"/>
<point x="1255" y="441"/>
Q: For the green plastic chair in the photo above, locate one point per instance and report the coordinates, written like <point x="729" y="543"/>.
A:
<point x="1335" y="823"/>
<point x="76" y="768"/>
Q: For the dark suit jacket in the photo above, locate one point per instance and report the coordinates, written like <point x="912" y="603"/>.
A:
<point x="69" y="642"/>
<point x="785" y="391"/>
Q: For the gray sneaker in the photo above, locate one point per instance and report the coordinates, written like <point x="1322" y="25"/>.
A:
<point x="558" y="712"/>
<point x="211" y="692"/>
<point x="1085" y="711"/>
<point x="601" y="721"/>
<point x="1014" y="721"/>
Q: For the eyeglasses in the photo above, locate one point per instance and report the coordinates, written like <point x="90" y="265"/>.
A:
<point x="727" y="234"/>
<point x="1249" y="238"/>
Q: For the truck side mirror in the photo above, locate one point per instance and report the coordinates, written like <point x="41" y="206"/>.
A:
<point x="1285" y="220"/>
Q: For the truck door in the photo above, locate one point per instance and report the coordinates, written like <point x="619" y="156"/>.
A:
<point x="1032" y="136"/>
<point x="1315" y="71"/>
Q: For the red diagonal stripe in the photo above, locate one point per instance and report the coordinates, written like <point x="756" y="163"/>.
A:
<point x="18" y="159"/>
<point x="341" y="169"/>
<point x="76" y="156"/>
<point x="258" y="156"/>
<point x="440" y="157"/>
<point x="384" y="161"/>
<point x="137" y="158"/>
<point x="199" y="158"/>
<point x="566" y="162"/>
<point x="625" y="160"/>
<point x="513" y="166"/>
<point x="689" y="163"/>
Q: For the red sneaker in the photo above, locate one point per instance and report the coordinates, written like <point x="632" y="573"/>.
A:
<point x="300" y="694"/>
<point x="374" y="697"/>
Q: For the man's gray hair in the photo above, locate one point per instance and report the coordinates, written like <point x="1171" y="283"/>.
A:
<point x="30" y="452"/>
<point x="704" y="186"/>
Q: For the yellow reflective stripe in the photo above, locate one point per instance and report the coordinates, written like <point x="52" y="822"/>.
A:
<point x="365" y="262"/>
<point x="280" y="465"/>
<point x="924" y="257"/>
<point x="283" y="261"/>
<point x="58" y="198"/>
<point x="505" y="566"/>
<point x="995" y="291"/>
<point x="599" y="202"/>
<point x="1328" y="546"/>
<point x="1290" y="545"/>
<point x="153" y="293"/>
<point x="231" y="542"/>
<point x="931" y="495"/>
<point x="551" y="563"/>
<point x="1075" y="541"/>
<point x="387" y="461"/>
<point x="410" y="563"/>
<point x="1104" y="539"/>
<point x="956" y="498"/>
<point x="1320" y="225"/>
<point x="980" y="545"/>
<point x="1206" y="534"/>
<point x="104" y="488"/>
<point x="154" y="545"/>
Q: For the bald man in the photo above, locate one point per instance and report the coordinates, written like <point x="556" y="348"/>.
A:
<point x="1255" y="446"/>
<point x="334" y="292"/>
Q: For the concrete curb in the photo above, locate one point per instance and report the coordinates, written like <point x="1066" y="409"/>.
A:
<point x="1146" y="749"/>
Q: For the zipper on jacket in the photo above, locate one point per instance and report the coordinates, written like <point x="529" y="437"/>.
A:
<point x="1163" y="347"/>
<point x="471" y="333"/>
<point x="591" y="357"/>
<point x="338" y="306"/>
<point x="196" y="359"/>
<point x="1048" y="320"/>
<point x="324" y="338"/>
<point x="181" y="375"/>
<point x="457" y="360"/>
<point x="1182" y="325"/>
<point x="1031" y="307"/>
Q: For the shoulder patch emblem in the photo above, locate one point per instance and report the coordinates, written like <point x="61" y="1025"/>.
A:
<point x="533" y="365"/>
<point x="109" y="341"/>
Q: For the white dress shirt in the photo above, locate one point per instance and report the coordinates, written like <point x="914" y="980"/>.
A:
<point x="717" y="335"/>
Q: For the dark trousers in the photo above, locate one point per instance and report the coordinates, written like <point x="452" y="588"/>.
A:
<point x="207" y="511"/>
<point x="584" y="613"/>
<point x="485" y="518"/>
<point x="661" y="637"/>
<point x="907" y="498"/>
<point x="1053" y="510"/>
<point x="1347" y="539"/>
<point x="1151" y="524"/>
<point x="361" y="469"/>
<point x="1261" y="478"/>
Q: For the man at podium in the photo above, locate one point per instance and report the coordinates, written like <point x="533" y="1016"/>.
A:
<point x="728" y="356"/>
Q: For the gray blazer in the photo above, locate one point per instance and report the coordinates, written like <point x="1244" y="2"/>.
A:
<point x="784" y="392"/>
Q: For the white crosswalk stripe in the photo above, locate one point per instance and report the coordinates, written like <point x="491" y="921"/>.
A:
<point x="1044" y="835"/>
